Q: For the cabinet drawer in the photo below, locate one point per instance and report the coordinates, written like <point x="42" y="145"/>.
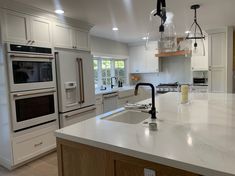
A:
<point x="29" y="148"/>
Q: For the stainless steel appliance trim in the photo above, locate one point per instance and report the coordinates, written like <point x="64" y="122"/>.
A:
<point x="33" y="93"/>
<point x="85" y="110"/>
<point x="30" y="56"/>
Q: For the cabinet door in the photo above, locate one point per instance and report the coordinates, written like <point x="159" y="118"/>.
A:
<point x="16" y="27"/>
<point x="41" y="34"/>
<point x="136" y="56"/>
<point x="217" y="59"/>
<point x="152" y="62"/>
<point x="62" y="36"/>
<point x="82" y="41"/>
<point x="143" y="60"/>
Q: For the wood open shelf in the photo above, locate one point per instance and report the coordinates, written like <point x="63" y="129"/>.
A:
<point x="175" y="53"/>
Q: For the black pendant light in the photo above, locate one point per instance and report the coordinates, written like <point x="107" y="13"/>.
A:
<point x="195" y="32"/>
<point x="161" y="12"/>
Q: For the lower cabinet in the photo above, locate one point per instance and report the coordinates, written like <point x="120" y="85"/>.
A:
<point x="30" y="145"/>
<point x="76" y="159"/>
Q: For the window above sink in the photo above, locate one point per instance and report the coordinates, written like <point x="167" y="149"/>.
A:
<point x="105" y="68"/>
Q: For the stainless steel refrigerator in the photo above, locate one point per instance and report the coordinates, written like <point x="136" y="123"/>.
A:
<point x="76" y="91"/>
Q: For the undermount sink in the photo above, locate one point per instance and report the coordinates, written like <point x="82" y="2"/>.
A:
<point x="129" y="116"/>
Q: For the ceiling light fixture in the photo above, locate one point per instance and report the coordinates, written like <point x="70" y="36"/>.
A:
<point x="195" y="31"/>
<point x="59" y="11"/>
<point x="115" y="29"/>
<point x="145" y="38"/>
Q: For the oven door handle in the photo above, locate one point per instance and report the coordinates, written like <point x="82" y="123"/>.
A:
<point x="33" y="93"/>
<point x="30" y="56"/>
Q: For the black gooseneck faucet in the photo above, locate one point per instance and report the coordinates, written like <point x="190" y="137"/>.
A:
<point x="153" y="109"/>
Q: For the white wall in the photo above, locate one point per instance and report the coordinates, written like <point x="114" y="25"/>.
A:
<point x="109" y="48"/>
<point x="173" y="69"/>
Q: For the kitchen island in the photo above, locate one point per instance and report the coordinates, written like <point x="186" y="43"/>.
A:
<point x="192" y="139"/>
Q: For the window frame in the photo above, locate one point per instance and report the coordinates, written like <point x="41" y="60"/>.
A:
<point x="112" y="70"/>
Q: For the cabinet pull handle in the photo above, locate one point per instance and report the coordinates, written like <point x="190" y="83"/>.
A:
<point x="39" y="144"/>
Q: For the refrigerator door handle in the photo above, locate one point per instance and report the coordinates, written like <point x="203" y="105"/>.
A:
<point x="81" y="80"/>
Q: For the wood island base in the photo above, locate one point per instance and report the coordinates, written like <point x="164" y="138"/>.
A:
<point x="76" y="159"/>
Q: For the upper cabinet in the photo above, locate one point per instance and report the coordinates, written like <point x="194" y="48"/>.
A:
<point x="16" y="27"/>
<point x="62" y="35"/>
<point x="71" y="38"/>
<point x="200" y="63"/>
<point x="41" y="31"/>
<point x="142" y="59"/>
<point x="25" y="29"/>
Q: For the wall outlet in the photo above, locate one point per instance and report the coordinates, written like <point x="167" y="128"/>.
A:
<point x="149" y="172"/>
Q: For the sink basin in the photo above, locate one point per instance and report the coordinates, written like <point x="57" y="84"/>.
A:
<point x="130" y="117"/>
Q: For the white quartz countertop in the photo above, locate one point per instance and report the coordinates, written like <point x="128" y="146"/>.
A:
<point x="197" y="137"/>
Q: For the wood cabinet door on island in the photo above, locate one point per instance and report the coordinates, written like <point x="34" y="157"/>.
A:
<point x="76" y="159"/>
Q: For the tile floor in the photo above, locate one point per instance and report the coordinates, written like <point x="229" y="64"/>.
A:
<point x="45" y="166"/>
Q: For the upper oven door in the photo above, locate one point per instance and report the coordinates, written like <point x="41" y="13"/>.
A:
<point x="30" y="72"/>
<point x="32" y="108"/>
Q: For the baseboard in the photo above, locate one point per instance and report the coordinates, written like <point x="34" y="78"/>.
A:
<point x="6" y="163"/>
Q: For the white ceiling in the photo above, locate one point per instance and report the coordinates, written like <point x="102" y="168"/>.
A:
<point x="132" y="16"/>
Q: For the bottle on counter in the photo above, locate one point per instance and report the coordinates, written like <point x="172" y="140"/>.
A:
<point x="184" y="94"/>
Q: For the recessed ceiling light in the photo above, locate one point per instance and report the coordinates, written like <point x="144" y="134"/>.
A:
<point x="115" y="29"/>
<point x="145" y="38"/>
<point x="59" y="11"/>
<point x="187" y="32"/>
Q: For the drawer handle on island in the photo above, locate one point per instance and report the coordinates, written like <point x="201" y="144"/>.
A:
<point x="38" y="144"/>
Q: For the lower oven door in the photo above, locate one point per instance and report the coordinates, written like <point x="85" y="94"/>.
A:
<point x="32" y="108"/>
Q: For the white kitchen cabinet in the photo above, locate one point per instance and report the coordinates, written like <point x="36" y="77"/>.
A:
<point x="142" y="59"/>
<point x="62" y="35"/>
<point x="99" y="104"/>
<point x="82" y="40"/>
<point x="220" y="76"/>
<point x="25" y="29"/>
<point x="29" y="145"/>
<point x="200" y="63"/>
<point x="41" y="31"/>
<point x="71" y="38"/>
<point x="16" y="27"/>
